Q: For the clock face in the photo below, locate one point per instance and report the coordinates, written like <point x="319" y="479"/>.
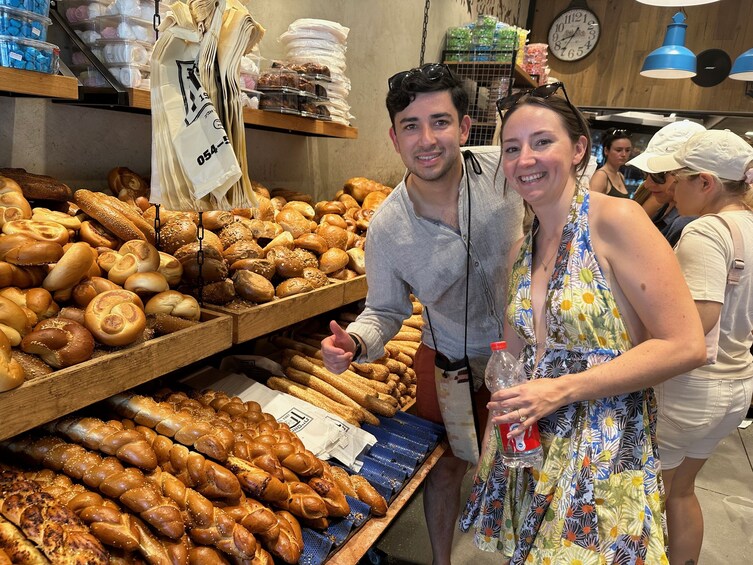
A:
<point x="573" y="34"/>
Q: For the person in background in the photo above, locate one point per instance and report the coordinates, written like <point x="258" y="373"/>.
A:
<point x="666" y="141"/>
<point x="589" y="317"/>
<point x="608" y="179"/>
<point x="417" y="243"/>
<point x="698" y="409"/>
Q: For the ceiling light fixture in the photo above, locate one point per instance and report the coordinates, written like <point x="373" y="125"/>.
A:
<point x="676" y="3"/>
<point x="672" y="59"/>
<point x="742" y="68"/>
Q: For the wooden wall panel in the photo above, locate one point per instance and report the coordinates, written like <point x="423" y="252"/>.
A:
<point x="630" y="30"/>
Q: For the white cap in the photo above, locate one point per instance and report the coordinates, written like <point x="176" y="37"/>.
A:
<point x="665" y="142"/>
<point x="721" y="152"/>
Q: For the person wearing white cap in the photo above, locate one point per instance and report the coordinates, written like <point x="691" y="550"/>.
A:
<point x="714" y="172"/>
<point x="661" y="185"/>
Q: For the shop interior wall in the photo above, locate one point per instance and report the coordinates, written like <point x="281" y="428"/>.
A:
<point x="79" y="145"/>
<point x="630" y="30"/>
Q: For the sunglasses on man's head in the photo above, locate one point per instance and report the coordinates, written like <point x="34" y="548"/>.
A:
<point x="545" y="91"/>
<point x="431" y="71"/>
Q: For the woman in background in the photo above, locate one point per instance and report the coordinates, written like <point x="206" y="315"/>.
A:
<point x="698" y="409"/>
<point x="608" y="179"/>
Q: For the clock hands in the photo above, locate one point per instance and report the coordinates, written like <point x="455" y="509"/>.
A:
<point x="570" y="37"/>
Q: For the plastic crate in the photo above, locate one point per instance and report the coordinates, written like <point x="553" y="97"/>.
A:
<point x="30" y="55"/>
<point x="23" y="24"/>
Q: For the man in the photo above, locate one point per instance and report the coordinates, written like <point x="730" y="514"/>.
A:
<point x="662" y="185"/>
<point x="416" y="244"/>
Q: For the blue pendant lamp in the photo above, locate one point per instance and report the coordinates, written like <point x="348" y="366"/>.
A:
<point x="672" y="59"/>
<point x="742" y="69"/>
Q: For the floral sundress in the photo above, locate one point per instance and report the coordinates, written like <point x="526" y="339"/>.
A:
<point x="598" y="497"/>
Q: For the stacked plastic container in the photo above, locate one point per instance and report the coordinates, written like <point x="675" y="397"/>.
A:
<point x="535" y="61"/>
<point x="317" y="48"/>
<point x="486" y="39"/>
<point x="120" y="33"/>
<point x="23" y="35"/>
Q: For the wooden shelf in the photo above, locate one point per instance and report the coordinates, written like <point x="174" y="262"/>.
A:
<point x="271" y="121"/>
<point x="17" y="81"/>
<point x="357" y="546"/>
<point x="256" y="321"/>
<point x="46" y="398"/>
<point x="523" y="77"/>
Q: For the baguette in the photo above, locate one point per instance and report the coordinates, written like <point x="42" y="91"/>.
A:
<point x="315" y="398"/>
<point x="414" y="321"/>
<point x="62" y="537"/>
<point x="407" y="336"/>
<point x="287" y="343"/>
<point x="371" y="370"/>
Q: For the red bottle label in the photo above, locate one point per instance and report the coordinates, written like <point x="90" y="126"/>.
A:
<point x="528" y="441"/>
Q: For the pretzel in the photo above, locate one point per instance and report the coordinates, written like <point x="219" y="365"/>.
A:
<point x="53" y="527"/>
<point x="107" y="475"/>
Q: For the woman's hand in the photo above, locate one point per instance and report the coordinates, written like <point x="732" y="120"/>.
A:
<point x="527" y="403"/>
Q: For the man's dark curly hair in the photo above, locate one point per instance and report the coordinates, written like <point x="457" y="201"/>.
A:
<point x="417" y="81"/>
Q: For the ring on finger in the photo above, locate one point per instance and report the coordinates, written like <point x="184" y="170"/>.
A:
<point x="521" y="418"/>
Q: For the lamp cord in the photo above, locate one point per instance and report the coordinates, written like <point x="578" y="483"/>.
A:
<point x="423" y="35"/>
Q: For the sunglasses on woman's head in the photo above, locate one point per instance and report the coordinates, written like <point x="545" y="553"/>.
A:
<point x="658" y="178"/>
<point x="545" y="91"/>
<point x="431" y="71"/>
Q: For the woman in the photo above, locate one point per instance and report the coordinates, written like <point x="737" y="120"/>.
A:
<point x="700" y="408"/>
<point x="608" y="179"/>
<point x="661" y="186"/>
<point x="589" y="333"/>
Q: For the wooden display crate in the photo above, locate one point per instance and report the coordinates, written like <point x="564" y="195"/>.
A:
<point x="255" y="321"/>
<point x="43" y="399"/>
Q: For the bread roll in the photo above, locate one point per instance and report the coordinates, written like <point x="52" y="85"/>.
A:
<point x="10" y="242"/>
<point x="263" y="229"/>
<point x="177" y="233"/>
<point x="263" y="267"/>
<point x="146" y="283"/>
<point x="213" y="269"/>
<point x="243" y="249"/>
<point x="357" y="260"/>
<point x="287" y="263"/>
<point x="35" y="253"/>
<point x="127" y="185"/>
<point x="96" y="235"/>
<point x="295" y="285"/>
<point x="13" y="321"/>
<point x="38" y="230"/>
<point x="219" y="292"/>
<point x="285" y="239"/>
<point x="293" y="221"/>
<point x="170" y="268"/>
<point x="233" y="233"/>
<point x="38" y="187"/>
<point x="373" y="200"/>
<point x="329" y="207"/>
<point x="253" y="287"/>
<point x="334" y="236"/>
<point x="315" y="277"/>
<point x="115" y="317"/>
<point x="333" y="260"/>
<point x="22" y="277"/>
<point x="85" y="291"/>
<point x="66" y="220"/>
<point x="38" y="300"/>
<point x="349" y="201"/>
<point x="60" y="342"/>
<point x="360" y="187"/>
<point x="73" y="266"/>
<point x="146" y="254"/>
<point x="11" y="373"/>
<point x="333" y="220"/>
<point x="97" y="206"/>
<point x="33" y="367"/>
<point x="174" y="303"/>
<point x="312" y="242"/>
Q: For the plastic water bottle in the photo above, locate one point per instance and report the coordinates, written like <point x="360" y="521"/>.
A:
<point x="504" y="371"/>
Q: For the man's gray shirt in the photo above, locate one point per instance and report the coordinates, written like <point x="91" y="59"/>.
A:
<point x="408" y="253"/>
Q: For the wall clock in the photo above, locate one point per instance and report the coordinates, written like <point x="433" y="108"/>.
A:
<point x="574" y="33"/>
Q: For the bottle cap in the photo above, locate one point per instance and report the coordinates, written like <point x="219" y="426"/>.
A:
<point x="498" y="345"/>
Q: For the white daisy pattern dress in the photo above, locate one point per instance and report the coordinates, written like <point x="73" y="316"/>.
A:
<point x="598" y="497"/>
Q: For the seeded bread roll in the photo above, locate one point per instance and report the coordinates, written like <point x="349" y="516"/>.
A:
<point x="263" y="267"/>
<point x="287" y="263"/>
<point x="335" y="236"/>
<point x="213" y="269"/>
<point x="316" y="277"/>
<point x="176" y="233"/>
<point x="98" y="207"/>
<point x="243" y="249"/>
<point x="295" y="285"/>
